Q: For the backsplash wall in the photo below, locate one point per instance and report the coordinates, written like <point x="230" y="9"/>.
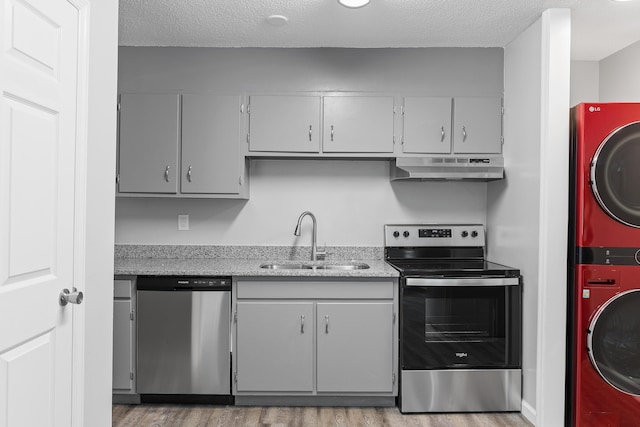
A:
<point x="351" y="200"/>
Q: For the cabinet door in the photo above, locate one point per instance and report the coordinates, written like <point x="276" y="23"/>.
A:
<point x="122" y="346"/>
<point x="284" y="123"/>
<point x="274" y="346"/>
<point x="427" y="125"/>
<point x="355" y="347"/>
<point x="210" y="144"/>
<point x="148" y="143"/>
<point x="358" y="124"/>
<point x="477" y="125"/>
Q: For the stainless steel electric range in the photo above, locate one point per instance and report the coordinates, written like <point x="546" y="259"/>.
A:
<point x="460" y="321"/>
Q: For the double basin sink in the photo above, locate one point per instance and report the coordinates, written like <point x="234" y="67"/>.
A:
<point x="313" y="266"/>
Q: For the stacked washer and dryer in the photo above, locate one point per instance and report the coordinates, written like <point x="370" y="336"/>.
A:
<point x="603" y="387"/>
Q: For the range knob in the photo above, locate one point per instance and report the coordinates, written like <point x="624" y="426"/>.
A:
<point x="396" y="234"/>
<point x="405" y="234"/>
<point x="474" y="233"/>
<point x="465" y="233"/>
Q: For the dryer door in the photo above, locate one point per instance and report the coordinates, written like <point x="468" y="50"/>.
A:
<point x="615" y="174"/>
<point x="613" y="342"/>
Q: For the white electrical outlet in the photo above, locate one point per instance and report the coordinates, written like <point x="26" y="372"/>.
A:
<point x="183" y="222"/>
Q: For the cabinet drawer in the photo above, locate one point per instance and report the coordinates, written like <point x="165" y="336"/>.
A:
<point x="315" y="289"/>
<point x="122" y="288"/>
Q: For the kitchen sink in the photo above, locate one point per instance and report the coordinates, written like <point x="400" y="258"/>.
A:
<point x="305" y="266"/>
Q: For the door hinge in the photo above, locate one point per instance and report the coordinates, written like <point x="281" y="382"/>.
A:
<point x="118" y="179"/>
<point x="248" y="108"/>
<point x="394" y="318"/>
<point x="118" y="107"/>
<point x="402" y="110"/>
<point x="502" y="140"/>
<point x="248" y="138"/>
<point x="394" y="140"/>
<point x="402" y="140"/>
<point x="235" y="377"/>
<point x="241" y="108"/>
<point x="131" y="315"/>
<point x="240" y="180"/>
<point x="131" y="375"/>
<point x="394" y="109"/>
<point x="502" y="110"/>
<point x="235" y="317"/>
<point x="393" y="378"/>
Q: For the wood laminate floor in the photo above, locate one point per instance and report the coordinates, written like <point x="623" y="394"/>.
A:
<point x="223" y="416"/>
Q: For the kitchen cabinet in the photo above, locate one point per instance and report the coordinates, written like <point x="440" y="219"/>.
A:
<point x="358" y="124"/>
<point x="461" y="125"/>
<point x="188" y="145"/>
<point x="284" y="123"/>
<point x="124" y="339"/>
<point x="315" y="337"/>
<point x="292" y="124"/>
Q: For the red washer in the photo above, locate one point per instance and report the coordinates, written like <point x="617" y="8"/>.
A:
<point x="603" y="363"/>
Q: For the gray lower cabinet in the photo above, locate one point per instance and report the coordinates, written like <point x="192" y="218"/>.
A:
<point x="314" y="338"/>
<point x="124" y="340"/>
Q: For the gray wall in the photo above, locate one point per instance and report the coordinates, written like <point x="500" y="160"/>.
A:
<point x="620" y="76"/>
<point x="585" y="82"/>
<point x="352" y="199"/>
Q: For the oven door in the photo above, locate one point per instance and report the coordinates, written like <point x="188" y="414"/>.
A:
<point x="461" y="323"/>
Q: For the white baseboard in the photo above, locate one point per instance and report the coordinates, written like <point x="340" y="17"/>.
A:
<point x="529" y="412"/>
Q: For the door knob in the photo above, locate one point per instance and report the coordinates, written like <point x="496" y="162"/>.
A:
<point x="73" y="297"/>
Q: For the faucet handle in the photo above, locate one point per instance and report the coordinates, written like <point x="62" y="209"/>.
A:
<point x="321" y="254"/>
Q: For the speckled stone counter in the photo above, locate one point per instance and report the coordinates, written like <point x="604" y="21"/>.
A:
<point x="244" y="261"/>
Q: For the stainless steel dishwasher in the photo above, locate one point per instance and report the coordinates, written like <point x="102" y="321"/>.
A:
<point x="184" y="349"/>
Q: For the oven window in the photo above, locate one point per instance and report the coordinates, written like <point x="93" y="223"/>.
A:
<point x="458" y="316"/>
<point x="475" y="326"/>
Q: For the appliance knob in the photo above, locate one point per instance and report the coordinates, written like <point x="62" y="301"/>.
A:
<point x="474" y="233"/>
<point x="465" y="234"/>
<point x="396" y="234"/>
<point x="405" y="234"/>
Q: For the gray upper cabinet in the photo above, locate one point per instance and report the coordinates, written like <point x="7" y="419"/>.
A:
<point x="477" y="125"/>
<point x="357" y="124"/>
<point x="175" y="145"/>
<point x="149" y="134"/>
<point x="427" y="125"/>
<point x="284" y="123"/>
<point x="210" y="144"/>
<point x="442" y="125"/>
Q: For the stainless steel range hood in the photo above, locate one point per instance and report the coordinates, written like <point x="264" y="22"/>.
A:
<point x="472" y="168"/>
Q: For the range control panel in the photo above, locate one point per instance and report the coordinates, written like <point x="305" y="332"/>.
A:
<point x="425" y="235"/>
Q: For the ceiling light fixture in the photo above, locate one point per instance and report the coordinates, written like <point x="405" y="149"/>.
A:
<point x="353" y="4"/>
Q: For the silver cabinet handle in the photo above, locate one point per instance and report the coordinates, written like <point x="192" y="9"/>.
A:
<point x="310" y="132"/>
<point x="189" y="174"/>
<point x="464" y="134"/>
<point x="442" y="134"/>
<point x="332" y="133"/>
<point x="73" y="297"/>
<point x="302" y="324"/>
<point x="166" y="173"/>
<point x="326" y="324"/>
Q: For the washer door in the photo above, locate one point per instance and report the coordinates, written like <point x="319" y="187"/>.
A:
<point x="615" y="174"/>
<point x="613" y="342"/>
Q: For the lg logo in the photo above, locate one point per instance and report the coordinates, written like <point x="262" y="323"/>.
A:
<point x="461" y="354"/>
<point x="592" y="109"/>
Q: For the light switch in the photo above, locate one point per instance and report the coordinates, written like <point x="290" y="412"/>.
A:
<point x="183" y="222"/>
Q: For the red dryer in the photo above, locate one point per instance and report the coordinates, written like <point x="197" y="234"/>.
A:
<point x="603" y="363"/>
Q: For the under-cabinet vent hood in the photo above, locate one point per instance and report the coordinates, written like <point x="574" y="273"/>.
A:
<point x="473" y="168"/>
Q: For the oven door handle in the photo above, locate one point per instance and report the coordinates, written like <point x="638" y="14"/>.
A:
<point x="462" y="281"/>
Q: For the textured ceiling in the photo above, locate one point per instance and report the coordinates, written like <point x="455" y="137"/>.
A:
<point x="599" y="27"/>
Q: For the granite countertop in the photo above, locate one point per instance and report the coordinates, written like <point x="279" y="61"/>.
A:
<point x="243" y="261"/>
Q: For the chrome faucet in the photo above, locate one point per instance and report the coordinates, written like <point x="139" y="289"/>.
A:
<point x="314" y="246"/>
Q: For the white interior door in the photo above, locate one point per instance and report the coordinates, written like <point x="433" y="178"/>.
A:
<point x="38" y="82"/>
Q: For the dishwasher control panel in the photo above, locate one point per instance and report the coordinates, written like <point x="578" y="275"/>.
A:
<point x="186" y="283"/>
